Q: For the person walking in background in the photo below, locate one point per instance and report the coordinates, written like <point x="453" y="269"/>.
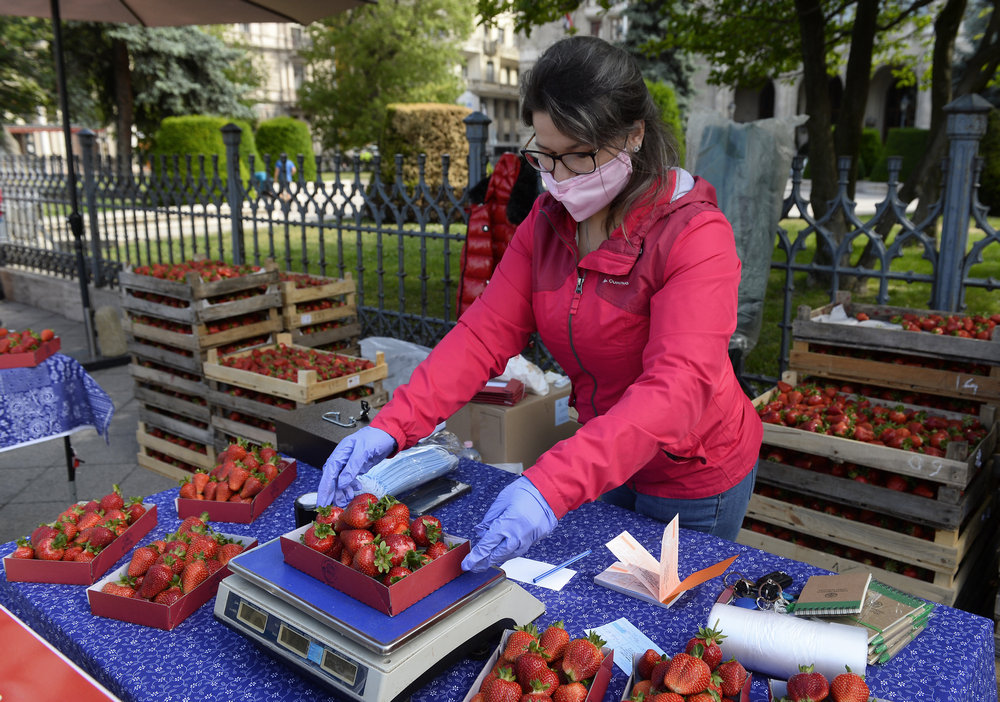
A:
<point x="628" y="271"/>
<point x="284" y="174"/>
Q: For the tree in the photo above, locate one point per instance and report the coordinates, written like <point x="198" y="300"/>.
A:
<point x="646" y="24"/>
<point x="26" y="71"/>
<point x="362" y="60"/>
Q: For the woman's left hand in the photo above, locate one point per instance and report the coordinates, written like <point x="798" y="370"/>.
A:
<point x="518" y="518"/>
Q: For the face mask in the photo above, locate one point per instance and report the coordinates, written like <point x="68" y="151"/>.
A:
<point x="583" y="195"/>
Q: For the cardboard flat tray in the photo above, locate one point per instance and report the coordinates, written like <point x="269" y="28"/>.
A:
<point x="31" y="358"/>
<point x="389" y="600"/>
<point x="240" y="512"/>
<point x="73" y="573"/>
<point x="154" y="614"/>
<point x="632" y="679"/>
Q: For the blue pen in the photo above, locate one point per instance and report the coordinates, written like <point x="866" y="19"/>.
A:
<point x="562" y="565"/>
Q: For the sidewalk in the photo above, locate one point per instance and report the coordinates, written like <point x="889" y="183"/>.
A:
<point x="35" y="486"/>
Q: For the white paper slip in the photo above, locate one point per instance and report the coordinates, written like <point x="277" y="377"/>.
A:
<point x="626" y="640"/>
<point x="525" y="569"/>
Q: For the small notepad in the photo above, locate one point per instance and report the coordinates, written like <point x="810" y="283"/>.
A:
<point x="842" y="593"/>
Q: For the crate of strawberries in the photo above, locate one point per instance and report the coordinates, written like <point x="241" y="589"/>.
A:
<point x="26" y="348"/>
<point x="83" y="542"/>
<point x="168" y="578"/>
<point x="244" y="482"/>
<point x="373" y="551"/>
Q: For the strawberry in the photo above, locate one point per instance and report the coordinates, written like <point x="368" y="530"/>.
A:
<point x="98" y="535"/>
<point x="532" y="666"/>
<point x="553" y="640"/>
<point x="222" y="492"/>
<point x="849" y="687"/>
<point x="648" y="661"/>
<point x="190" y="522"/>
<point x="51" y="549"/>
<point x="502" y="688"/>
<point x="211" y="487"/>
<point x="570" y="692"/>
<point x="236" y="451"/>
<point x="251" y="463"/>
<point x="188" y="491"/>
<point x="142" y="559"/>
<point x="328" y="514"/>
<point x="642" y="689"/>
<point x="709" y="639"/>
<point x="372" y="559"/>
<point x="91" y="506"/>
<point x="89" y="519"/>
<point x="436" y="550"/>
<point x="669" y="697"/>
<point x="173" y="560"/>
<point x="24" y="549"/>
<point x="228" y="551"/>
<point x="519" y="641"/>
<point x="733" y="675"/>
<point x="170" y="595"/>
<point x="425" y="530"/>
<point x="538" y="691"/>
<point x="71" y="552"/>
<point x="237" y="477"/>
<point x="194" y="573"/>
<point x="42" y="532"/>
<point x="398" y="509"/>
<point x="395" y="574"/>
<point x="134" y="509"/>
<point x="389" y="524"/>
<point x="113" y="500"/>
<point x="252" y="485"/>
<point x="156" y="580"/>
<point x="87" y="555"/>
<point x="582" y="657"/>
<point x="124" y="587"/>
<point x="399" y="545"/>
<point x="686" y="674"/>
<point x="269" y="454"/>
<point x="353" y="539"/>
<point x="203" y="544"/>
<point x="200" y="480"/>
<point x="319" y="537"/>
<point x="357" y="514"/>
<point x="269" y="471"/>
<point x="807" y="685"/>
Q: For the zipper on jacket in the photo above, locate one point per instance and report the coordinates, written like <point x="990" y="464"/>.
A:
<point x="573" y="307"/>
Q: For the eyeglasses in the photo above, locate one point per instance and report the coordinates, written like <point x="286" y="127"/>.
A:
<point x="579" y="162"/>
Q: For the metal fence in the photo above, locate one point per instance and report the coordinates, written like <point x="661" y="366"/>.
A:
<point x="402" y="241"/>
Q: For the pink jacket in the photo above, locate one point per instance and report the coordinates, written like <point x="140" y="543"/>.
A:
<point x="642" y="328"/>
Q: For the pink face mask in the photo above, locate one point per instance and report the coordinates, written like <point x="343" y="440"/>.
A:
<point x="583" y="195"/>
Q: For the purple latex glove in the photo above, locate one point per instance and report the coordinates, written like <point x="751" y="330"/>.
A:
<point x="518" y="518"/>
<point x="353" y="456"/>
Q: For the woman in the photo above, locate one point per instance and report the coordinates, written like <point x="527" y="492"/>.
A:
<point x="629" y="273"/>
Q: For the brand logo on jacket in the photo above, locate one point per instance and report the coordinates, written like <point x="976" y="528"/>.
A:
<point x="615" y="282"/>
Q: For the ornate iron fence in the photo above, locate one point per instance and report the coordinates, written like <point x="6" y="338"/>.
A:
<point x="402" y="241"/>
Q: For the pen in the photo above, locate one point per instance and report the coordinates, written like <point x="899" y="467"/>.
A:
<point x="562" y="565"/>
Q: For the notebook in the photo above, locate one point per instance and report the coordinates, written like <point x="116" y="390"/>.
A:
<point x="887" y="612"/>
<point x="830" y="595"/>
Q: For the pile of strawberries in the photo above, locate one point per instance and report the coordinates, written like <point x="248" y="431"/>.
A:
<point x="24" y="341"/>
<point x="376" y="537"/>
<point x="303" y="280"/>
<point x="697" y="675"/>
<point x="810" y="686"/>
<point x="546" y="666"/>
<point x="976" y="326"/>
<point x="82" y="531"/>
<point x="208" y="270"/>
<point x="241" y="471"/>
<point x="166" y="569"/>
<point x="284" y="362"/>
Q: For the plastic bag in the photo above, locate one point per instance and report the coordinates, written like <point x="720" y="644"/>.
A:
<point x="401" y="357"/>
<point x="520" y="368"/>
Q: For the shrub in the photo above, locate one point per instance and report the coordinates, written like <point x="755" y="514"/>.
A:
<point x="908" y="142"/>
<point x="666" y="99"/>
<point x="286" y="135"/>
<point x="194" y="140"/>
<point x="425" y="128"/>
<point x="871" y="152"/>
<point x="989" y="177"/>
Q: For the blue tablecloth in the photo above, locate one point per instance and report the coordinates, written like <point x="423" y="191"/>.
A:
<point x="203" y="659"/>
<point x="54" y="398"/>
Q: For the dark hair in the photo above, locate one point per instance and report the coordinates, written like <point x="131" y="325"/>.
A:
<point x="593" y="91"/>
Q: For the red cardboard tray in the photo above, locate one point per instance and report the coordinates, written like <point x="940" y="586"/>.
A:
<point x="597" y="688"/>
<point x="389" y="600"/>
<point x="627" y="693"/>
<point x="72" y="573"/>
<point x="240" y="512"/>
<point x="154" y="614"/>
<point x="31" y="358"/>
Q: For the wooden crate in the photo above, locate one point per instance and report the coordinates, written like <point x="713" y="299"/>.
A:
<point x="957" y="468"/>
<point x="194" y="457"/>
<point x="805" y="328"/>
<point x="350" y="332"/>
<point x="186" y="360"/>
<point x="976" y="382"/>
<point x="195" y="289"/>
<point x="154" y="461"/>
<point x="164" y="397"/>
<point x="199" y="337"/>
<point x="307" y="388"/>
<point x="344" y="288"/>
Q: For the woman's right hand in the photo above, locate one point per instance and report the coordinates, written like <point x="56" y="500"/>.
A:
<point x="353" y="456"/>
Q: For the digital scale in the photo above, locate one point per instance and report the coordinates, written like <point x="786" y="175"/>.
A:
<point x="354" y="649"/>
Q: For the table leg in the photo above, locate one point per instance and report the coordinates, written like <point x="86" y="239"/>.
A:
<point x="70" y="468"/>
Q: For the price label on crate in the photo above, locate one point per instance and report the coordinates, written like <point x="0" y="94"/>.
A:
<point x="307" y="319"/>
<point x="353" y="381"/>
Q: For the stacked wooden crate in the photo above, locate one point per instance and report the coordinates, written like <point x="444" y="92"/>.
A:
<point x="918" y="517"/>
<point x="174" y="316"/>
<point x="246" y="398"/>
<point x="321" y="312"/>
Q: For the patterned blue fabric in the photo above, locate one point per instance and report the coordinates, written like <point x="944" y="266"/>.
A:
<point x="203" y="659"/>
<point x="52" y="398"/>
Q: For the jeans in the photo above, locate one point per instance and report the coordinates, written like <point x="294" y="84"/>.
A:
<point x="720" y="515"/>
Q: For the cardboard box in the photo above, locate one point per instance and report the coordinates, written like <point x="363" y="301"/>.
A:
<point x="633" y="678"/>
<point x="154" y="614"/>
<point x="517" y="434"/>
<point x="73" y="573"/>
<point x="389" y="600"/>
<point x="240" y="512"/>
<point x="597" y="688"/>
<point x="30" y="358"/>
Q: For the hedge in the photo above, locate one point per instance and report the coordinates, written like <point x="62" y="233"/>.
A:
<point x="989" y="151"/>
<point x="666" y="99"/>
<point x="425" y="128"/>
<point x="286" y="135"/>
<point x="908" y="142"/>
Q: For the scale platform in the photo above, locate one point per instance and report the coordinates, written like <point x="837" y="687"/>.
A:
<point x="354" y="649"/>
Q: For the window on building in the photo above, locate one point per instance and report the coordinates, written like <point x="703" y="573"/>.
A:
<point x="298" y="75"/>
<point x="595" y="28"/>
<point x="245" y="28"/>
<point x="500" y="36"/>
<point x="513" y="76"/>
<point x="490" y="72"/>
